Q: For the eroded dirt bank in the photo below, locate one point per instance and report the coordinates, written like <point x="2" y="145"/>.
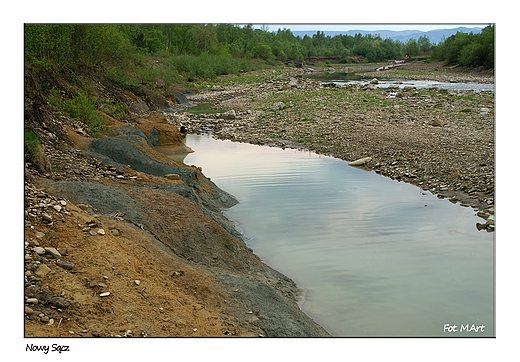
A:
<point x="120" y="240"/>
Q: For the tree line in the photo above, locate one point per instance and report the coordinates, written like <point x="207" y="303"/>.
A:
<point x="469" y="50"/>
<point x="70" y="44"/>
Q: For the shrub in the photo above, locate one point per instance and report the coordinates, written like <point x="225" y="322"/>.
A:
<point x="84" y="108"/>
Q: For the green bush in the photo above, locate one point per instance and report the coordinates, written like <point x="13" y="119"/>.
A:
<point x="84" y="108"/>
<point x="32" y="145"/>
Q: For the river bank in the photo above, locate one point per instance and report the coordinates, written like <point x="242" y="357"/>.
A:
<point x="440" y="140"/>
<point x="120" y="240"/>
<point x="115" y="231"/>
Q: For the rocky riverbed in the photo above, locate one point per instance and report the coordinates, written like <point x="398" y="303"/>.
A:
<point x="440" y="140"/>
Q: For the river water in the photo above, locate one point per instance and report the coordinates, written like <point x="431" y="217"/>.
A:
<point x="384" y="82"/>
<point x="376" y="257"/>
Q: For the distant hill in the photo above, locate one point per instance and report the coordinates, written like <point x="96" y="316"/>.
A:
<point x="403" y="36"/>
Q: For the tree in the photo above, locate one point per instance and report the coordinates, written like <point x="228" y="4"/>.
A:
<point x="424" y="44"/>
<point x="205" y="36"/>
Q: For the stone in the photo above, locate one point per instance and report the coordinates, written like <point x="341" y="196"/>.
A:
<point x="101" y="232"/>
<point x="253" y="319"/>
<point x="361" y="161"/>
<point x="105" y="294"/>
<point x="59" y="302"/>
<point x="137" y="282"/>
<point x="57" y="208"/>
<point x="39" y="250"/>
<point x="47" y="218"/>
<point x="39" y="235"/>
<point x="438" y="123"/>
<point x="63" y="203"/>
<point x="28" y="310"/>
<point x="278" y="105"/>
<point x="53" y="252"/>
<point x="229" y="114"/>
<point x="115" y="232"/>
<point x="31" y="301"/>
<point x="65" y="264"/>
<point x="42" y="270"/>
<point x="92" y="232"/>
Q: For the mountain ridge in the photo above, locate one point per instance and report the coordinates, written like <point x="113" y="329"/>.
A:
<point x="403" y="36"/>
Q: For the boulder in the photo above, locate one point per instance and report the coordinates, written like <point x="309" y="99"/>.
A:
<point x="229" y="114"/>
<point x="361" y="161"/>
<point x="278" y="105"/>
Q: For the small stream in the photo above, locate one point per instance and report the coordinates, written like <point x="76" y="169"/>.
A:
<point x="376" y="257"/>
<point x="341" y="78"/>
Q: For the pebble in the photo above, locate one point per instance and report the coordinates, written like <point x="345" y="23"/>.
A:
<point x="92" y="232"/>
<point x="39" y="235"/>
<point x="115" y="232"/>
<point x="137" y="282"/>
<point x="31" y="301"/>
<point x="65" y="264"/>
<point x="42" y="270"/>
<point x="101" y="232"/>
<point x="55" y="253"/>
<point x="57" y="208"/>
<point x="28" y="310"/>
<point x="361" y="161"/>
<point x="105" y="294"/>
<point x="59" y="302"/>
<point x="39" y="250"/>
<point x="47" y="218"/>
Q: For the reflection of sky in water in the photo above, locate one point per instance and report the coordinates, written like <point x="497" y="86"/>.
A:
<point x="373" y="258"/>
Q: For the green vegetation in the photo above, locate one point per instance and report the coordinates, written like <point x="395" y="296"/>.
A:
<point x="470" y="50"/>
<point x="134" y="56"/>
<point x="32" y="145"/>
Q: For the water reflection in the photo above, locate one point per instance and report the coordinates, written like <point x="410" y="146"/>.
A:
<point x="374" y="260"/>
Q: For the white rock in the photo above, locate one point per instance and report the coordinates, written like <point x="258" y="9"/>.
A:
<point x="105" y="294"/>
<point x="137" y="282"/>
<point x="55" y="253"/>
<point x="278" y="105"/>
<point x="361" y="161"/>
<point x="57" y="208"/>
<point x="101" y="232"/>
<point x="39" y="235"/>
<point x="39" y="250"/>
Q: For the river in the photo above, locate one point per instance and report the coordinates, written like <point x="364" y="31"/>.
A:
<point x="376" y="257"/>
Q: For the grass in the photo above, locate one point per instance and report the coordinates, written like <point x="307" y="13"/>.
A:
<point x="84" y="108"/>
<point x="32" y="145"/>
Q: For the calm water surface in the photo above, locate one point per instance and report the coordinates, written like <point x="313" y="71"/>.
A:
<point x="376" y="257"/>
